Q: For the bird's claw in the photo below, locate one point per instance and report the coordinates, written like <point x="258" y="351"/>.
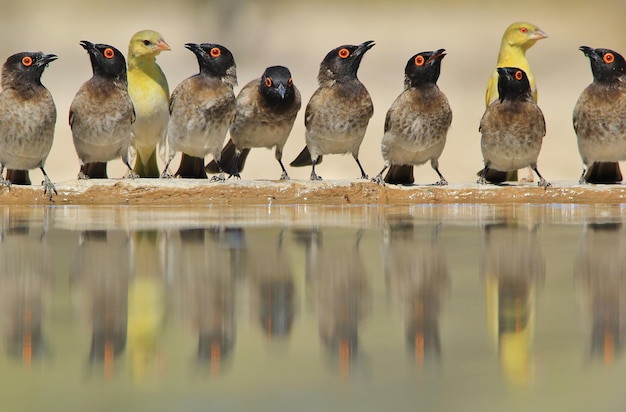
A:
<point x="166" y="175"/>
<point x="49" y="189"/>
<point x="218" y="178"/>
<point x="378" y="180"/>
<point x="441" y="182"/>
<point x="284" y="176"/>
<point x="543" y="183"/>
<point x="235" y="176"/>
<point x="132" y="175"/>
<point x="5" y="182"/>
<point x="83" y="176"/>
<point x="481" y="181"/>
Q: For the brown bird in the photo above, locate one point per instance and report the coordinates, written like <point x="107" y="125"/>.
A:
<point x="600" y="117"/>
<point x="27" y="116"/>
<point x="266" y="110"/>
<point x="102" y="113"/>
<point x="512" y="127"/>
<point x="202" y="108"/>
<point x="339" y="110"/>
<point x="417" y="122"/>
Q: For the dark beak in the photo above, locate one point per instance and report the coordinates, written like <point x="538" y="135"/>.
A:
<point x="89" y="46"/>
<point x="363" y="47"/>
<point x="46" y="58"/>
<point x="438" y="55"/>
<point x="588" y="51"/>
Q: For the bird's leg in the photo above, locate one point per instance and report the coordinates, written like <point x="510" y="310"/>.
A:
<point x="82" y="175"/>
<point x="166" y="171"/>
<point x="482" y="179"/>
<point x="582" y="180"/>
<point x="220" y="177"/>
<point x="379" y="177"/>
<point x="314" y="176"/>
<point x="435" y="165"/>
<point x="278" y="154"/>
<point x="363" y="174"/>
<point x="3" y="181"/>
<point x="542" y="182"/>
<point x="234" y="170"/>
<point x="131" y="173"/>
<point x="48" y="186"/>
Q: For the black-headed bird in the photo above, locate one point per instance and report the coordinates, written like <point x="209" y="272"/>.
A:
<point x="417" y="122"/>
<point x="337" y="114"/>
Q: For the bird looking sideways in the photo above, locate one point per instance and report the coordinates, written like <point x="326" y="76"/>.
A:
<point x="266" y="110"/>
<point x="516" y="40"/>
<point x="338" y="112"/>
<point x="600" y="117"/>
<point x="202" y="108"/>
<point x="102" y="113"/>
<point x="150" y="94"/>
<point x="512" y="127"/>
<point x="417" y="122"/>
<point x="27" y="116"/>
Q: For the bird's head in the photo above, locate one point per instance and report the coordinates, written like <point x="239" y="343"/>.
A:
<point x="606" y="65"/>
<point x="106" y="61"/>
<point x="523" y="34"/>
<point x="216" y="61"/>
<point x="276" y="85"/>
<point x="26" y="67"/>
<point x="513" y="84"/>
<point x="146" y="44"/>
<point x="343" y="62"/>
<point x="423" y="68"/>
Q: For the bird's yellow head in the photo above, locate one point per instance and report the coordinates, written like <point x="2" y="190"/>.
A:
<point x="146" y="44"/>
<point x="522" y="34"/>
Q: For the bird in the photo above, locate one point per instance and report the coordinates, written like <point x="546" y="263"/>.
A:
<point x="149" y="91"/>
<point x="202" y="108"/>
<point x="101" y="113"/>
<point x="266" y="111"/>
<point x="27" y="116"/>
<point x="417" y="122"/>
<point x="599" y="117"/>
<point x="516" y="40"/>
<point x="338" y="112"/>
<point x="512" y="128"/>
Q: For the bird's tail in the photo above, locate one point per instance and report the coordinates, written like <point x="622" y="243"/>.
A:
<point x="497" y="176"/>
<point x="96" y="170"/>
<point x="147" y="168"/>
<point x="304" y="159"/>
<point x="604" y="173"/>
<point x="18" y="177"/>
<point x="191" y="167"/>
<point x="400" y="175"/>
<point x="227" y="158"/>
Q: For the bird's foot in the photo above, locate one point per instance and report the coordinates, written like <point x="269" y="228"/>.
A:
<point x="315" y="176"/>
<point x="543" y="183"/>
<point x="284" y="176"/>
<point x="441" y="182"/>
<point x="379" y="179"/>
<point x="49" y="188"/>
<point x="166" y="175"/>
<point x="481" y="180"/>
<point x="365" y="177"/>
<point x="83" y="176"/>
<point x="5" y="182"/>
<point x="582" y="181"/>
<point x="218" y="178"/>
<point x="132" y="175"/>
<point x="235" y="175"/>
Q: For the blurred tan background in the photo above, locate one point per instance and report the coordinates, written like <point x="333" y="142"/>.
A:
<point x="298" y="35"/>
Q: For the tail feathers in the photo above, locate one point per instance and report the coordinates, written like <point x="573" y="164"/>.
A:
<point x="400" y="175"/>
<point x="603" y="173"/>
<point x="497" y="176"/>
<point x="304" y="159"/>
<point x="227" y="159"/>
<point x="96" y="170"/>
<point x="147" y="168"/>
<point x="191" y="167"/>
<point x="18" y="177"/>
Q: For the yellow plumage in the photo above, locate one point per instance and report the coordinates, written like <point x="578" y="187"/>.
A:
<point x="150" y="94"/>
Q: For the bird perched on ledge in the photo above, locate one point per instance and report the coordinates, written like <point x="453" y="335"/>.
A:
<point x="101" y="113"/>
<point x="417" y="122"/>
<point x="600" y="117"/>
<point x="27" y="116"/>
<point x="337" y="114"/>
<point x="266" y="110"/>
<point x="512" y="127"/>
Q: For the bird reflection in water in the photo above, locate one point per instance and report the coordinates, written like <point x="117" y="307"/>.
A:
<point x="338" y="286"/>
<point x="100" y="278"/>
<point x="417" y="275"/>
<point x="600" y="274"/>
<point x="26" y="279"/>
<point x="513" y="267"/>
<point x="199" y="265"/>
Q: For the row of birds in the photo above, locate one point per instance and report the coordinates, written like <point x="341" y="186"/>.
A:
<point x="127" y="111"/>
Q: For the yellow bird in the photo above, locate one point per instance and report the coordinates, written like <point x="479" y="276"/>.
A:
<point x="150" y="94"/>
<point x="517" y="38"/>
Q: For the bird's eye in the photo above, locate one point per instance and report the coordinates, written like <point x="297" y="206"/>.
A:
<point x="419" y="61"/>
<point x="215" y="52"/>
<point x="608" y="58"/>
<point x="523" y="29"/>
<point x="108" y="53"/>
<point x="27" y="61"/>
<point x="146" y="42"/>
<point x="519" y="75"/>
<point x="290" y="82"/>
<point x="344" y="53"/>
<point x="268" y="82"/>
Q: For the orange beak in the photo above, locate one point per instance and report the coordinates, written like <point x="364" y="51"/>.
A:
<point x="163" y="46"/>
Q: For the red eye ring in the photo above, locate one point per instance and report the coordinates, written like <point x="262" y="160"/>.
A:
<point x="344" y="53"/>
<point x="519" y="75"/>
<point x="268" y="81"/>
<point x="289" y="82"/>
<point x="27" y="61"/>
<point x="215" y="52"/>
<point x="419" y="60"/>
<point x="108" y="53"/>
<point x="608" y="58"/>
<point x="523" y="29"/>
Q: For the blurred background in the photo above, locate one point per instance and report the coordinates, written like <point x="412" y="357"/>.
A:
<point x="298" y="34"/>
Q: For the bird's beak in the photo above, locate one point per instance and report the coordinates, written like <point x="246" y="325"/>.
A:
<point x="163" y="46"/>
<point x="47" y="58"/>
<point x="281" y="90"/>
<point x="87" y="45"/>
<point x="589" y="52"/>
<point x="538" y="35"/>
<point x="194" y="47"/>
<point x="363" y="47"/>
<point x="438" y="55"/>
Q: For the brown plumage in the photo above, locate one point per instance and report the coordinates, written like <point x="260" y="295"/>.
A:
<point x="512" y="127"/>
<point x="337" y="115"/>
<point x="600" y="118"/>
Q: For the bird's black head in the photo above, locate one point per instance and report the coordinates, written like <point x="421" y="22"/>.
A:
<point x="606" y="65"/>
<point x="215" y="61"/>
<point x="343" y="62"/>
<point x="276" y="85"/>
<point x="25" y="67"/>
<point x="513" y="84"/>
<point x="106" y="61"/>
<point x="424" y="68"/>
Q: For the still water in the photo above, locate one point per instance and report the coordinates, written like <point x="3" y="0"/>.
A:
<point x="313" y="308"/>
